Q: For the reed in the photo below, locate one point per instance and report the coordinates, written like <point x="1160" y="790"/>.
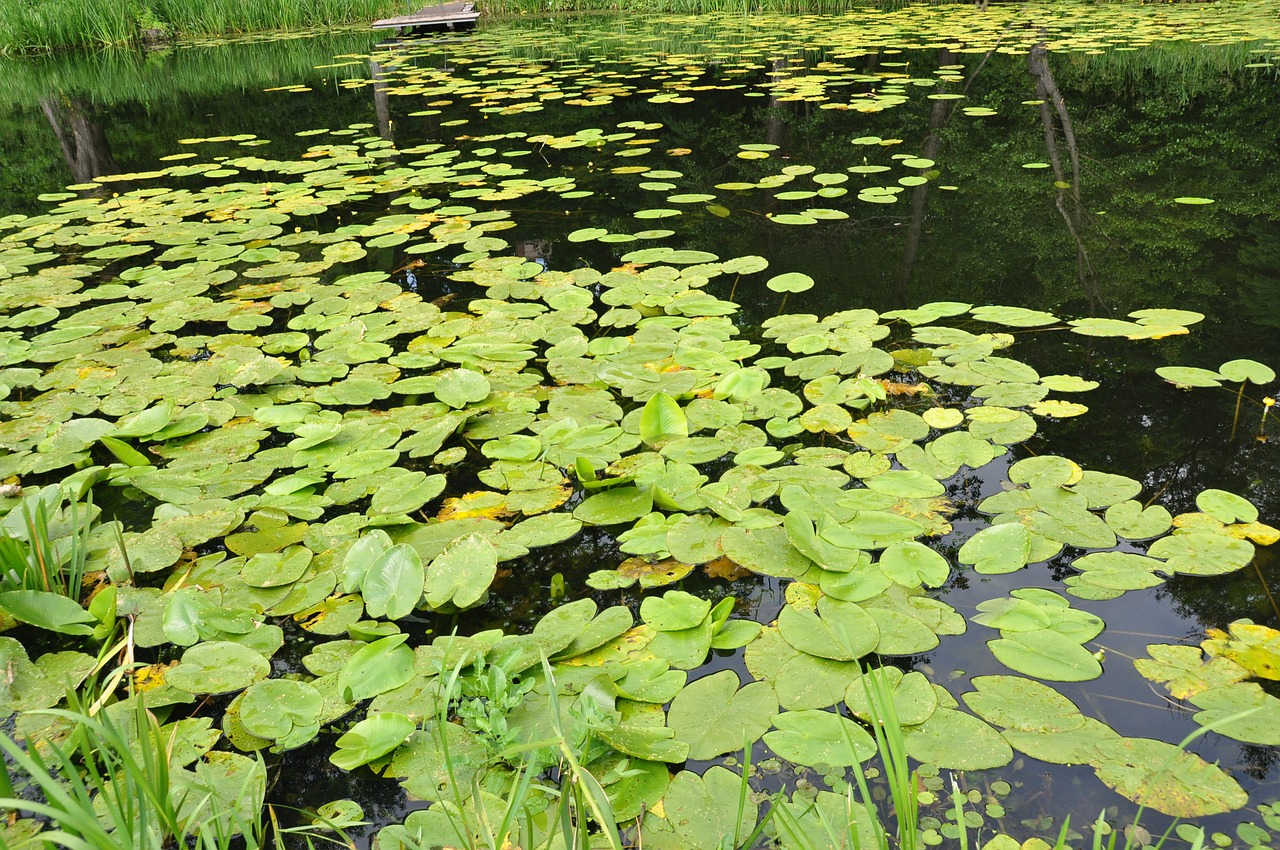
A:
<point x="46" y="25"/>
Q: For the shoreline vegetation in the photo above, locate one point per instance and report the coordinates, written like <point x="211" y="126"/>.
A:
<point x="41" y="26"/>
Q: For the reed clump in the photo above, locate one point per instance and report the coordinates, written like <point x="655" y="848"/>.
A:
<point x="47" y="25"/>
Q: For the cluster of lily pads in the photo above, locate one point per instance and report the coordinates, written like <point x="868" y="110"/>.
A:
<point x="319" y="394"/>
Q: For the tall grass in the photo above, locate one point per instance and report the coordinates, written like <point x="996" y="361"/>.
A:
<point x="116" y="76"/>
<point x="37" y="559"/>
<point x="46" y="25"/>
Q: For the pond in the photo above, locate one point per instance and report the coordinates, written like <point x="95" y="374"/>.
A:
<point x="602" y="395"/>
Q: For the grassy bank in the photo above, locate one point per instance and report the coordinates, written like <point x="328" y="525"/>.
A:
<point x="42" y="25"/>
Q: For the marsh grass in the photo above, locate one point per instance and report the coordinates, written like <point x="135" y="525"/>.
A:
<point x="46" y="25"/>
<point x="122" y="76"/>
<point x="103" y="788"/>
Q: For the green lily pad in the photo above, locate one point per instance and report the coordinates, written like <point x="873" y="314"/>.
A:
<point x="371" y="739"/>
<point x="217" y="667"/>
<point x="841" y="631"/>
<point x="714" y="716"/>
<point x="462" y="573"/>
<point x="960" y="741"/>
<point x="282" y="710"/>
<point x="815" y="737"/>
<point x="1167" y="779"/>
<point x="997" y="549"/>
<point x="1046" y="654"/>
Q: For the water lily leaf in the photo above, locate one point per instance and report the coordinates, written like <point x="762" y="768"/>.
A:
<point x="462" y="573"/>
<point x="124" y="452"/>
<point x="1022" y="704"/>
<point x="371" y="739"/>
<point x="1184" y="672"/>
<point x="700" y="811"/>
<point x="648" y="573"/>
<point x="1254" y="647"/>
<point x="362" y="554"/>
<point x="871" y="529"/>
<point x="1219" y="703"/>
<point x="376" y="668"/>
<point x="406" y="493"/>
<point x="146" y="422"/>
<point x="1118" y="571"/>
<point x="662" y="421"/>
<point x="1170" y="780"/>
<point x="222" y="789"/>
<point x="1072" y="528"/>
<point x="905" y="484"/>
<point x="276" y="569"/>
<point x="841" y="631"/>
<point x="914" y="699"/>
<point x="1247" y="370"/>
<point x="282" y="710"/>
<point x="714" y="716"/>
<point x="1078" y="745"/>
<point x="421" y="765"/>
<point x="997" y="549"/>
<point x="654" y="743"/>
<point x="460" y="387"/>
<point x="1130" y="520"/>
<point x="1031" y="609"/>
<point x="956" y="740"/>
<point x="217" y="667"/>
<point x="1018" y="317"/>
<point x="393" y="584"/>
<point x="766" y="551"/>
<point x="828" y="820"/>
<point x="651" y="680"/>
<point x="1226" y="507"/>
<point x="943" y="418"/>
<point x="901" y="634"/>
<point x="816" y="737"/>
<point x="1201" y="553"/>
<point x="622" y="504"/>
<point x="1046" y="654"/>
<point x="1190" y="376"/>
<point x="790" y="281"/>
<point x="801" y="680"/>
<point x="912" y="564"/>
<point x="674" y="611"/>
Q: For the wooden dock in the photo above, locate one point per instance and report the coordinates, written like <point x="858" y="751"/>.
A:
<point x="445" y="15"/>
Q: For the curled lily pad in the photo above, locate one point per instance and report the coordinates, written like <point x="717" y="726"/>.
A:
<point x="371" y="739"/>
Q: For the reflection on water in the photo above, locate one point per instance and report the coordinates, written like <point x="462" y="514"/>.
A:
<point x="1048" y="178"/>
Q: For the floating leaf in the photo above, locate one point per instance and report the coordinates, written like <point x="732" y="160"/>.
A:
<point x="714" y="716"/>
<point x="376" y="668"/>
<point x="1170" y="780"/>
<point x="815" y="737"/>
<point x="1046" y="654"/>
<point x="790" y="281"/>
<point x="838" y="630"/>
<point x="462" y="573"/>
<point x="371" y="739"/>
<point x="217" y="667"/>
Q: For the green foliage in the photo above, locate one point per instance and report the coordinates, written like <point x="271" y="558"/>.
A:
<point x="45" y="25"/>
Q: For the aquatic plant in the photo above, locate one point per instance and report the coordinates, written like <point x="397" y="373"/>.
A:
<point x="325" y="392"/>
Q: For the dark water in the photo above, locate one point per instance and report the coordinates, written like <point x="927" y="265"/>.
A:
<point x="1148" y="125"/>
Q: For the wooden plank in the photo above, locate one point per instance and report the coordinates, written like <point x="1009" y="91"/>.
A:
<point x="447" y="13"/>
